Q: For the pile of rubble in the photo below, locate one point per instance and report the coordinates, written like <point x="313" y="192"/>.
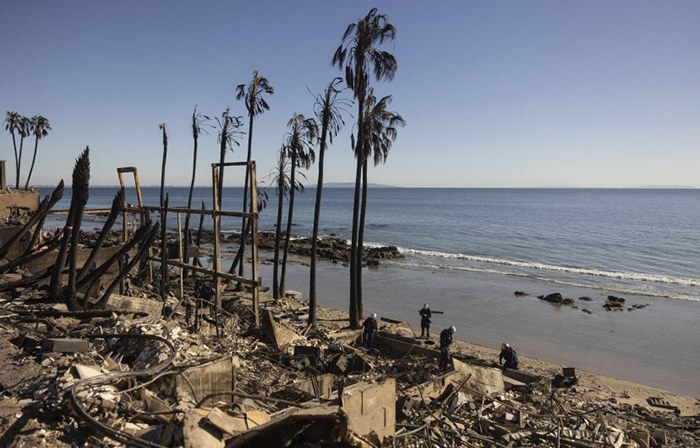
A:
<point x="130" y="377"/>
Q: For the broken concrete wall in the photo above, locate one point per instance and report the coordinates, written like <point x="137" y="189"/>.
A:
<point x="28" y="199"/>
<point x="215" y="376"/>
<point x="371" y="407"/>
<point x="320" y="386"/>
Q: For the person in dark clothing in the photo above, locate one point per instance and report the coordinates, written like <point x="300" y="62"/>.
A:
<point x="370" y="326"/>
<point x="510" y="357"/>
<point x="425" y="316"/>
<point x="445" y="342"/>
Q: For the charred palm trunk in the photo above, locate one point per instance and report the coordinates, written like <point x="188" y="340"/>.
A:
<point x="196" y="261"/>
<point x="111" y="219"/>
<point x="164" y="253"/>
<point x="81" y="193"/>
<point x="278" y="234"/>
<point x="360" y="243"/>
<point x="244" y="227"/>
<point x="288" y="234"/>
<point x="145" y="239"/>
<point x="94" y="276"/>
<point x="162" y="166"/>
<point x="188" y="234"/>
<point x="314" y="232"/>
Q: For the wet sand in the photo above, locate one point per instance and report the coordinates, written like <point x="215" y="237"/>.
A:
<point x="655" y="346"/>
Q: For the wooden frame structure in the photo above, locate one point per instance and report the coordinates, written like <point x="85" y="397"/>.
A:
<point x="216" y="273"/>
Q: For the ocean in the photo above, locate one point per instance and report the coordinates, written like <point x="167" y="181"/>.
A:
<point x="468" y="250"/>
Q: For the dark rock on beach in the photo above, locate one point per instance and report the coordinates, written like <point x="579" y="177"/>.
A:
<point x="553" y="298"/>
<point x="520" y="294"/>
<point x="585" y="298"/>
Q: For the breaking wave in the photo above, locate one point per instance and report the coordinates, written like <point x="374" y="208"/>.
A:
<point x="620" y="275"/>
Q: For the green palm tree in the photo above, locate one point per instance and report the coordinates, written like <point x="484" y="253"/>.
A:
<point x="328" y="110"/>
<point x="379" y="135"/>
<point x="12" y="123"/>
<point x="40" y="128"/>
<point x="253" y="96"/>
<point x="360" y="57"/>
<point x="299" y="146"/>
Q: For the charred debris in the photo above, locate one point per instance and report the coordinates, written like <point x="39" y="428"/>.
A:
<point x="115" y="339"/>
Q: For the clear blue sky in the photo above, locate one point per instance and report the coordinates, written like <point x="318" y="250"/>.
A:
<point x="593" y="93"/>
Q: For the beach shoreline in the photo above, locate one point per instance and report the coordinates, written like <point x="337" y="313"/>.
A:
<point x="606" y="342"/>
<point x="591" y="386"/>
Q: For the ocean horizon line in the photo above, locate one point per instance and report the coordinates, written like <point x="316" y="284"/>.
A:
<point x="351" y="185"/>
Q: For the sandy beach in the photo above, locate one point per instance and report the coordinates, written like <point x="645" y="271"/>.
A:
<point x="640" y="346"/>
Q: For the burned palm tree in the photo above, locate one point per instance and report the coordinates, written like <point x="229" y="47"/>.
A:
<point x="281" y="180"/>
<point x="229" y="133"/>
<point x="199" y="125"/>
<point x="299" y="146"/>
<point x="328" y="109"/>
<point x="360" y="56"/>
<point x="80" y="195"/>
<point x="253" y="96"/>
<point x="379" y="135"/>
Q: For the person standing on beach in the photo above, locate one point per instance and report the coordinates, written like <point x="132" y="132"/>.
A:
<point x="445" y="342"/>
<point x="370" y="326"/>
<point x="509" y="355"/>
<point x="425" y="316"/>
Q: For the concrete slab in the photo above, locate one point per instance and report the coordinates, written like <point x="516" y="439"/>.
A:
<point x="152" y="308"/>
<point x="65" y="345"/>
<point x="485" y="380"/>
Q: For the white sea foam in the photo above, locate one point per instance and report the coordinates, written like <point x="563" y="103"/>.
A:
<point x="566" y="269"/>
<point x="617" y="288"/>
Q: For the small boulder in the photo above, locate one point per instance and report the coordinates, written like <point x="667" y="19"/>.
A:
<point x="553" y="298"/>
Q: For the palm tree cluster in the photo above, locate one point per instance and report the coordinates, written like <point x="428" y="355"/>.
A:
<point x="363" y="60"/>
<point x="20" y="126"/>
<point x="360" y="55"/>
